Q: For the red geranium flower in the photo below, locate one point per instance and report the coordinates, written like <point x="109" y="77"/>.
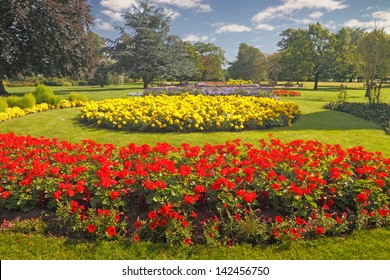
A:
<point x="362" y="197"/>
<point x="111" y="231"/>
<point x="278" y="219"/>
<point x="136" y="238"/>
<point x="238" y="217"/>
<point x="6" y="194"/>
<point x="152" y="215"/>
<point x="187" y="241"/>
<point x="320" y="230"/>
<point x="137" y="224"/>
<point x="91" y="228"/>
<point x="114" y="195"/>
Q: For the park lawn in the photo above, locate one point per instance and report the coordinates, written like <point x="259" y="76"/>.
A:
<point x="315" y="123"/>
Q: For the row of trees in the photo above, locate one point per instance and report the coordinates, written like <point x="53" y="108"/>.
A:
<point x="53" y="38"/>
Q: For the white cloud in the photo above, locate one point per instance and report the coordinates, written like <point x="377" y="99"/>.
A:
<point x="290" y="6"/>
<point x="102" y="25"/>
<point x="117" y="5"/>
<point x="113" y="15"/>
<point x="265" y="26"/>
<point x="331" y="25"/>
<point x="173" y="14"/>
<point x="380" y="19"/>
<point x="316" y="14"/>
<point x="382" y="15"/>
<point x="195" y="38"/>
<point x="188" y="4"/>
<point x="233" y="28"/>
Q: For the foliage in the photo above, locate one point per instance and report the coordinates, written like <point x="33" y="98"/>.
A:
<point x="212" y="59"/>
<point x="190" y="113"/>
<point x="210" y="90"/>
<point x="250" y="64"/>
<point x="376" y="112"/>
<point x="234" y="192"/>
<point x="46" y="37"/>
<point x="3" y="104"/>
<point x="27" y="101"/>
<point x="148" y="51"/>
<point x="374" y="50"/>
<point x="44" y="94"/>
<point x="77" y="97"/>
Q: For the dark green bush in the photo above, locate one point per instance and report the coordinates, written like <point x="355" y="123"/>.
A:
<point x="44" y="94"/>
<point x="378" y="113"/>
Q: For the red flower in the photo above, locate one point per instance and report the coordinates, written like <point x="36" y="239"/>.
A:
<point x="114" y="195"/>
<point x="278" y="219"/>
<point x="362" y="197"/>
<point x="152" y="215"/>
<point x="111" y="231"/>
<point x="238" y="217"/>
<point x="57" y="194"/>
<point x="5" y="194"/>
<point x="153" y="225"/>
<point x="276" y="234"/>
<point x="199" y="189"/>
<point x="320" y="230"/>
<point x="137" y="224"/>
<point x="188" y="199"/>
<point x="91" y="228"/>
<point x="187" y="241"/>
<point x="136" y="238"/>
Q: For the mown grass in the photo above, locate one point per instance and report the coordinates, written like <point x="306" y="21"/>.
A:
<point x="363" y="245"/>
<point x="315" y="123"/>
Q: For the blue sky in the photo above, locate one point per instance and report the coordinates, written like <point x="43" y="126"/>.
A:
<point x="227" y="23"/>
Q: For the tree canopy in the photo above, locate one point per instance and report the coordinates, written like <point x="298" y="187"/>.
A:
<point x="250" y="64"/>
<point x="47" y="37"/>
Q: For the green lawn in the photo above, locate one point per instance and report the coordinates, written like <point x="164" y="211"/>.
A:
<point x="315" y="123"/>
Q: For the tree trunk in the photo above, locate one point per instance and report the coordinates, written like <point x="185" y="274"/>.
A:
<point x="146" y="83"/>
<point x="3" y="91"/>
<point x="316" y="76"/>
<point x="368" y="91"/>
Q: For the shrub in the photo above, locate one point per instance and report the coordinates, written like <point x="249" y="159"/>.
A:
<point x="378" y="112"/>
<point x="27" y="101"/>
<point x="13" y="101"/>
<point x="44" y="94"/>
<point x="78" y="97"/>
<point x="3" y="104"/>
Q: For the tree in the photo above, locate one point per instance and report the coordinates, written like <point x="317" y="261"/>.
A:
<point x="212" y="59"/>
<point x="294" y="52"/>
<point x="343" y="62"/>
<point x="46" y="37"/>
<point x="308" y="50"/>
<point x="250" y="64"/>
<point x="103" y="72"/>
<point x="181" y="64"/>
<point x="374" y="50"/>
<point x="274" y="67"/>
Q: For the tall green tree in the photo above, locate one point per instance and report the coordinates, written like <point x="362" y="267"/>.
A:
<point x="374" y="50"/>
<point x="141" y="52"/>
<point x="273" y="66"/>
<point x="307" y="49"/>
<point x="344" y="63"/>
<point x="250" y="64"/>
<point x="294" y="45"/>
<point x="212" y="59"/>
<point x="46" y="37"/>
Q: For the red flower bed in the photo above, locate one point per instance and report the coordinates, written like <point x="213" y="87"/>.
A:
<point x="285" y="92"/>
<point x="230" y="193"/>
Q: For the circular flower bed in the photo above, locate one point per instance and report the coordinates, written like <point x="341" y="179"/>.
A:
<point x="229" y="193"/>
<point x="190" y="113"/>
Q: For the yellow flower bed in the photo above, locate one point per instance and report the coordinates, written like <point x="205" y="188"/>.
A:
<point x="16" y="112"/>
<point x="239" y="82"/>
<point x="190" y="113"/>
